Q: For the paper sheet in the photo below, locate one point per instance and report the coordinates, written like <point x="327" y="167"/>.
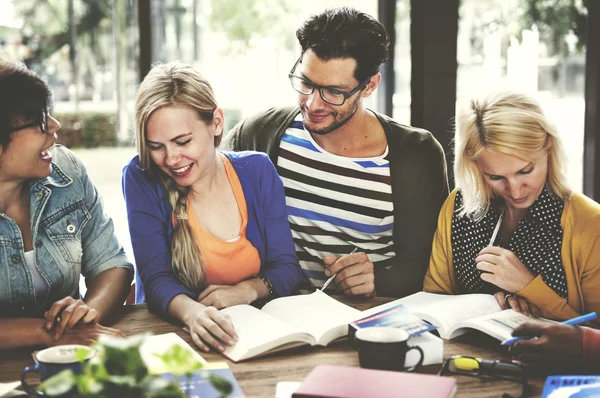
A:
<point x="8" y="389"/>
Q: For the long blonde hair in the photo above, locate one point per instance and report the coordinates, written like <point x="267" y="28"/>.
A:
<point x="511" y="123"/>
<point x="165" y="85"/>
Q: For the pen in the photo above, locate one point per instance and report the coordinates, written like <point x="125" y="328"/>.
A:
<point x="495" y="233"/>
<point x="573" y="321"/>
<point x="328" y="281"/>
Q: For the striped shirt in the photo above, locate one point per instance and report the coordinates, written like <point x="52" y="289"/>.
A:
<point x="334" y="204"/>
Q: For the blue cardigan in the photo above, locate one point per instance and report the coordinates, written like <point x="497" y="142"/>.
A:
<point x="150" y="226"/>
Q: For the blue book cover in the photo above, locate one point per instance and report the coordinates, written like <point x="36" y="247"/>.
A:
<point x="198" y="385"/>
<point x="397" y="316"/>
<point x="576" y="386"/>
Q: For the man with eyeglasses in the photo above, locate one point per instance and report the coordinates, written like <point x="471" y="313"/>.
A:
<point x="363" y="192"/>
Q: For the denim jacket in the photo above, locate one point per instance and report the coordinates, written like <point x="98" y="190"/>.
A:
<point x="71" y="235"/>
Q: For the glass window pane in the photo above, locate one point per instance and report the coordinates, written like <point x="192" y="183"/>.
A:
<point x="402" y="63"/>
<point x="92" y="72"/>
<point x="503" y="44"/>
<point x="245" y="48"/>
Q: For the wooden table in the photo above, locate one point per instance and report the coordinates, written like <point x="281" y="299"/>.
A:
<point x="259" y="377"/>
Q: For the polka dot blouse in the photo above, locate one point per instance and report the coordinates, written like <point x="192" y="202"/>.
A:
<point x="536" y="242"/>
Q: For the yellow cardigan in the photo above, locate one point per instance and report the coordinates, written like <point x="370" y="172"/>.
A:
<point x="580" y="254"/>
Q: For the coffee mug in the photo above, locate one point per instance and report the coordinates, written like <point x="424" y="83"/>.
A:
<point x="52" y="361"/>
<point x="384" y="348"/>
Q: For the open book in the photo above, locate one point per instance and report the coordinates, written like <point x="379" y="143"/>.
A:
<point x="455" y="315"/>
<point x="314" y="319"/>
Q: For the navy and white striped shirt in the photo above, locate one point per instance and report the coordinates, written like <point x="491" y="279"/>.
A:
<point x="334" y="203"/>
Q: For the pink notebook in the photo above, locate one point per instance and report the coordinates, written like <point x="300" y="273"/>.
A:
<point x="326" y="381"/>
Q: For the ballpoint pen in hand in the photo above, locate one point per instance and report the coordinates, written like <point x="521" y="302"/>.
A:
<point x="495" y="233"/>
<point x="332" y="277"/>
<point x="573" y="321"/>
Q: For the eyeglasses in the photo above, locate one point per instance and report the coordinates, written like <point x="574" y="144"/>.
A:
<point x="330" y="95"/>
<point x="41" y="122"/>
<point x="477" y="367"/>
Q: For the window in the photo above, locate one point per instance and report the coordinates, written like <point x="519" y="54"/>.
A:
<point x="498" y="48"/>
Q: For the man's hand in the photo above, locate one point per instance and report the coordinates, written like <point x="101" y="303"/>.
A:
<point x="503" y="268"/>
<point x="85" y="334"/>
<point x="518" y="304"/>
<point x="558" y="348"/>
<point x="355" y="273"/>
<point x="223" y="296"/>
<point x="66" y="313"/>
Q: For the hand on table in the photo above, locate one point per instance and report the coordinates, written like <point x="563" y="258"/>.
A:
<point x="85" y="334"/>
<point x="355" y="273"/>
<point x="70" y="312"/>
<point x="223" y="296"/>
<point x="558" y="347"/>
<point x="518" y="304"/>
<point x="209" y="327"/>
<point x="503" y="268"/>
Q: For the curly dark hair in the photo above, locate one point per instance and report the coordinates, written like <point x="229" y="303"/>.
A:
<point x="346" y="33"/>
<point x="23" y="95"/>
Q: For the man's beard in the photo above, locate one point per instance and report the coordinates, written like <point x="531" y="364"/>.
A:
<point x="333" y="126"/>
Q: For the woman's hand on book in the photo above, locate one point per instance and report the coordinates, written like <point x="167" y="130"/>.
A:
<point x="503" y="268"/>
<point x="355" y="273"/>
<point x="209" y="327"/>
<point x="519" y="304"/>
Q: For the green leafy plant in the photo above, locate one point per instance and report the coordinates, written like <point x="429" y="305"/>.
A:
<point x="118" y="370"/>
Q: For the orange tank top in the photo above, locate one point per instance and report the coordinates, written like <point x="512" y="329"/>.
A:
<point x="227" y="262"/>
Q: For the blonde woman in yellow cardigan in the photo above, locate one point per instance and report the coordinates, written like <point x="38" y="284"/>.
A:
<point x="509" y="168"/>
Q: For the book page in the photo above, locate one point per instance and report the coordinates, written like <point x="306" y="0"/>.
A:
<point x="259" y="332"/>
<point x="9" y="389"/>
<point x="321" y="316"/>
<point x="499" y="325"/>
<point x="444" y="310"/>
<point x="449" y="310"/>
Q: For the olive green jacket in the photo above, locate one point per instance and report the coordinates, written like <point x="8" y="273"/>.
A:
<point x="419" y="188"/>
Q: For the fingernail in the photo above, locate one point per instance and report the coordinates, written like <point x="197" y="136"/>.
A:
<point x="56" y="336"/>
<point x="206" y="349"/>
<point x="230" y="341"/>
<point x="327" y="272"/>
<point x="220" y="348"/>
<point x="48" y="325"/>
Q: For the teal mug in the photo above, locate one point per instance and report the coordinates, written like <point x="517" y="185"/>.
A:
<point x="52" y="361"/>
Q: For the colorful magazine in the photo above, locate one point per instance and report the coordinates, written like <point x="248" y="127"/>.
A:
<point x="397" y="316"/>
<point x="576" y="386"/>
<point x="198" y="384"/>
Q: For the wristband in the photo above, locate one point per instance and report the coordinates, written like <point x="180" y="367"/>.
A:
<point x="269" y="286"/>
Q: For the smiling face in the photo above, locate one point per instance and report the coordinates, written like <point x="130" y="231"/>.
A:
<point x="28" y="156"/>
<point x="181" y="144"/>
<point x="517" y="181"/>
<point x="319" y="116"/>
